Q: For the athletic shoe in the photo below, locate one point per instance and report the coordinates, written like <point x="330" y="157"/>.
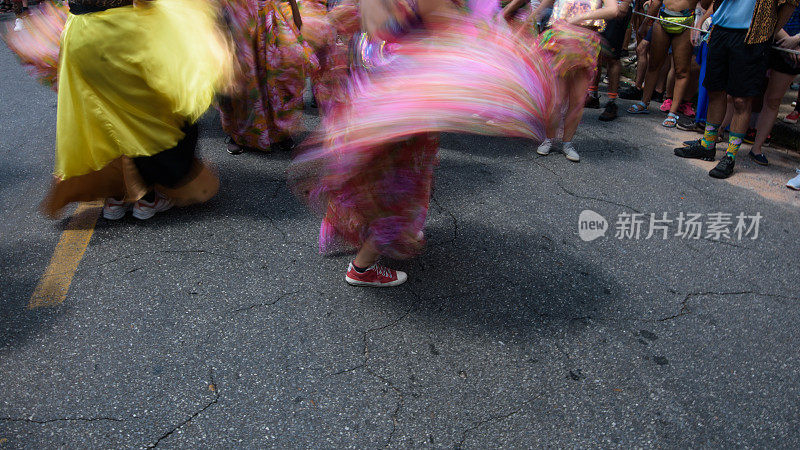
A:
<point x="792" y="117"/>
<point x="794" y="183"/>
<point x="144" y="210"/>
<point x="592" y="102"/>
<point x="232" y="147"/>
<point x="545" y="147"/>
<point x="687" y="124"/>
<point x="750" y="136"/>
<point x="724" y="168"/>
<point x="666" y="105"/>
<point x="114" y="209"/>
<point x="795" y="86"/>
<point x="696" y="151"/>
<point x="630" y="93"/>
<point x="375" y="276"/>
<point x="570" y="153"/>
<point x="686" y="109"/>
<point x="759" y="159"/>
<point x="18" y="25"/>
<point x="610" y="113"/>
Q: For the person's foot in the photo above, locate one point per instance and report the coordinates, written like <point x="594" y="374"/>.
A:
<point x="285" y="145"/>
<point x="545" y="147"/>
<point x="18" y="25"/>
<point x="630" y="93"/>
<point x="570" y="153"/>
<point x="758" y="158"/>
<point x="687" y="124"/>
<point x="666" y="105"/>
<point x="232" y="147"/>
<point x="685" y="109"/>
<point x="638" y="108"/>
<point x="792" y="117"/>
<point x="696" y="151"/>
<point x="610" y="112"/>
<point x="592" y="102"/>
<point x="375" y="276"/>
<point x="750" y="136"/>
<point x="144" y="210"/>
<point x="794" y="183"/>
<point x="114" y="209"/>
<point x="724" y="168"/>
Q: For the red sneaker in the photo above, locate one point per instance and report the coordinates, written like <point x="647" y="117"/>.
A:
<point x="792" y="117"/>
<point x="376" y="276"/>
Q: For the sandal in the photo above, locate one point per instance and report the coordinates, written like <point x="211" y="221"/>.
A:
<point x="638" y="108"/>
<point x="670" y="121"/>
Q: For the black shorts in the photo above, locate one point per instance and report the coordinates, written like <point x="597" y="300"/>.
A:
<point x="778" y="63"/>
<point x="733" y="66"/>
<point x="614" y="36"/>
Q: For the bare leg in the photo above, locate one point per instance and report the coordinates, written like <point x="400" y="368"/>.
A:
<point x="717" y="109"/>
<point x="670" y="90"/>
<point x="367" y="255"/>
<point x="741" y="114"/>
<point x="728" y="116"/>
<point x="576" y="88"/>
<point x="778" y="84"/>
<point x="658" y="52"/>
<point x="681" y="57"/>
<point x="642" y="57"/>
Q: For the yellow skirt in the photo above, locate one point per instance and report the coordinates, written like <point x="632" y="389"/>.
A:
<point x="131" y="78"/>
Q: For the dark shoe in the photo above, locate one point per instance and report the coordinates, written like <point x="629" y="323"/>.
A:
<point x="592" y="102"/>
<point x="696" y="151"/>
<point x="750" y="136"/>
<point x="692" y="142"/>
<point x="768" y="141"/>
<point x="610" y="112"/>
<point x="232" y="147"/>
<point x="285" y="145"/>
<point x="759" y="159"/>
<point x="630" y="93"/>
<point x="657" y="97"/>
<point x="724" y="168"/>
<point x="687" y="124"/>
<point x="701" y="127"/>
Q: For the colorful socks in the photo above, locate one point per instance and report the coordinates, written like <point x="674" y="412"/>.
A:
<point x="612" y="97"/>
<point x="734" y="142"/>
<point x="593" y="91"/>
<point x="710" y="136"/>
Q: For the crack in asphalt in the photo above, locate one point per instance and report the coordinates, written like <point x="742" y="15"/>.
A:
<point x="495" y="418"/>
<point x="365" y="364"/>
<point x="197" y="413"/>
<point x="685" y="310"/>
<point x="64" y="419"/>
<point x="257" y="305"/>
<point x="452" y="217"/>
<point x="585" y="197"/>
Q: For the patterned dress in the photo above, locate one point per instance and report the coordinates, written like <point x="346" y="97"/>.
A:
<point x="265" y="107"/>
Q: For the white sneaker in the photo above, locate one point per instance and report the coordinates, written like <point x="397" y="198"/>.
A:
<point x="18" y="25"/>
<point x="114" y="209"/>
<point x="570" y="153"/>
<point x="794" y="183"/>
<point x="545" y="147"/>
<point x="144" y="210"/>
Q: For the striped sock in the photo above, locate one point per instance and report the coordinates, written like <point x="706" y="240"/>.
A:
<point x="593" y="91"/>
<point x="710" y="136"/>
<point x="612" y="96"/>
<point x="734" y="142"/>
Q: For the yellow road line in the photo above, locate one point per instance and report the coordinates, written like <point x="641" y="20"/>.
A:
<point x="54" y="285"/>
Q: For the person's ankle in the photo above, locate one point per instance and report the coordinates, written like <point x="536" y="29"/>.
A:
<point x="359" y="268"/>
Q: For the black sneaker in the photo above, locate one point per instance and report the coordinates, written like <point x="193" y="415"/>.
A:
<point x="630" y="93"/>
<point x="232" y="147"/>
<point x="592" y="102"/>
<point x="696" y="151"/>
<point x="610" y="112"/>
<point x="724" y="168"/>
<point x="759" y="158"/>
<point x="701" y="127"/>
<point x="687" y="124"/>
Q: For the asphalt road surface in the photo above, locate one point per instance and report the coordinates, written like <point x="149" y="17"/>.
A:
<point x="220" y="325"/>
